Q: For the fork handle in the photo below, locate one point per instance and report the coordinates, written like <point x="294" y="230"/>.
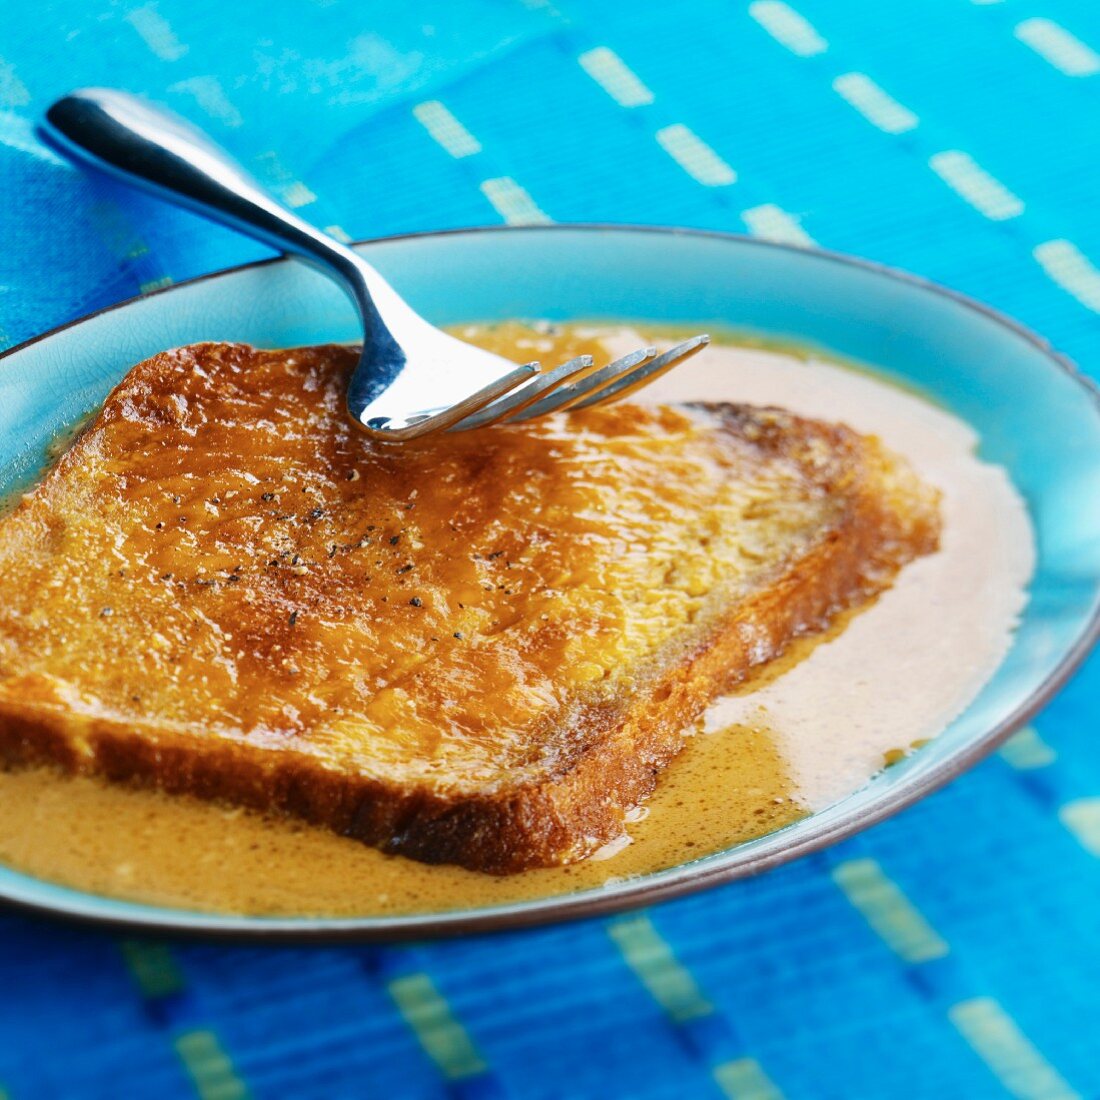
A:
<point x="158" y="151"/>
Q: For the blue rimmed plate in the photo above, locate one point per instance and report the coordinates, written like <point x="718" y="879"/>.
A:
<point x="1036" y="417"/>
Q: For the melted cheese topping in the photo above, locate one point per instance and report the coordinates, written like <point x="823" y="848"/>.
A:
<point x="240" y="562"/>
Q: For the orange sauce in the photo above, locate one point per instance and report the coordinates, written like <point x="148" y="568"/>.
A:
<point x="725" y="787"/>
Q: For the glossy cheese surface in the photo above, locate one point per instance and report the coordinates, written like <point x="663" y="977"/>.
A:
<point x="233" y="556"/>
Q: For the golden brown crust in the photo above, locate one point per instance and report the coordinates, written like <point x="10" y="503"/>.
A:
<point x="563" y="788"/>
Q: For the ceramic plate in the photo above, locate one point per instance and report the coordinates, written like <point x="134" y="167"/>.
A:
<point x="1036" y="416"/>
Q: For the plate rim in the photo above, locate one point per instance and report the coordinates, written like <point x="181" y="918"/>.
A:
<point x="683" y="879"/>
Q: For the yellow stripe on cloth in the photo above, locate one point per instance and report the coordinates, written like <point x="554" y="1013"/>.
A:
<point x="153" y="967"/>
<point x="1072" y="270"/>
<point x="695" y="156"/>
<point x="209" y="1066"/>
<point x="1026" y="750"/>
<point x="743" y="1079"/>
<point x="671" y="985"/>
<point x="210" y="96"/>
<point x="772" y="223"/>
<point x="1007" y="1051"/>
<point x="445" y="129"/>
<point x="876" y="105"/>
<point x="339" y="233"/>
<point x="296" y="194"/>
<point x="888" y="911"/>
<point x="649" y="955"/>
<point x="156" y="33"/>
<point x="513" y="203"/>
<point x="292" y="191"/>
<point x="436" y="1027"/>
<point x="971" y="182"/>
<point x="788" y="27"/>
<point x="13" y="92"/>
<point x="1054" y="44"/>
<point x="1082" y="818"/>
<point x="612" y="74"/>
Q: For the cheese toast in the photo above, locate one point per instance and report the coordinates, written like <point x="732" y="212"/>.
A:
<point x="481" y="648"/>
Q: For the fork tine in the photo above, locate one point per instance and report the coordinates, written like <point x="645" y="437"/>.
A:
<point x="381" y="430"/>
<point x="526" y="393"/>
<point x="525" y="396"/>
<point x="642" y="376"/>
<point x="566" y="396"/>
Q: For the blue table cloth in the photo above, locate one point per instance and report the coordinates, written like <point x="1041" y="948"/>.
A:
<point x="951" y="952"/>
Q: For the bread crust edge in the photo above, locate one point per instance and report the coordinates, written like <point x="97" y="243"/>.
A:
<point x="562" y="817"/>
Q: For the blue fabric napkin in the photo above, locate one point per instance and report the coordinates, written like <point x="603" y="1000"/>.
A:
<point x="951" y="952"/>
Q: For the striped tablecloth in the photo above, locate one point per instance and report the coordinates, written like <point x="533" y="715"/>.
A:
<point x="952" y="952"/>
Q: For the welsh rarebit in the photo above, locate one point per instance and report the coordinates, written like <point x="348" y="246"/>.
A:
<point x="479" y="649"/>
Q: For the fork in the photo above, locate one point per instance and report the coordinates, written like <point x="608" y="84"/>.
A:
<point x="412" y="379"/>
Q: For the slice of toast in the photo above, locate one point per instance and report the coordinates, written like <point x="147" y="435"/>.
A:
<point x="479" y="649"/>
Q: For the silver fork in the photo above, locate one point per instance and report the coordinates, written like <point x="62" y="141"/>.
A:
<point x="412" y="379"/>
